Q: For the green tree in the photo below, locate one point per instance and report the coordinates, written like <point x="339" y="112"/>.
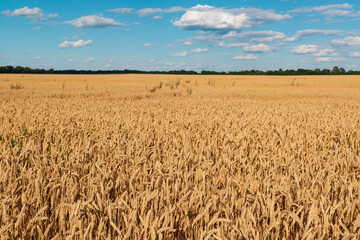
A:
<point x="335" y="70"/>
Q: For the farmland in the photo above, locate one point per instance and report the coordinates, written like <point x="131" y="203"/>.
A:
<point x="179" y="157"/>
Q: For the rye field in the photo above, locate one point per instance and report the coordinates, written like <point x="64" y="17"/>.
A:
<point x="179" y="157"/>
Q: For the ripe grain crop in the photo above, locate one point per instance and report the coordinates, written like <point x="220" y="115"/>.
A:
<point x="103" y="157"/>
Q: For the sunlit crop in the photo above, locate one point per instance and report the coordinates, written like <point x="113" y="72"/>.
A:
<point x="179" y="157"/>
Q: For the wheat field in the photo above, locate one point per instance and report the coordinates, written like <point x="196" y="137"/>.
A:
<point x="179" y="157"/>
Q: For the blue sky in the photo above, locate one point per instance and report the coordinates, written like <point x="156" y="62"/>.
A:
<point x="162" y="35"/>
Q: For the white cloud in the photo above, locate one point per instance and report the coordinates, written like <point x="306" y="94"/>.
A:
<point x="324" y="59"/>
<point x="53" y="15"/>
<point x="24" y="12"/>
<point x="246" y="57"/>
<point x="181" y="54"/>
<point x="303" y="49"/>
<point x="89" y="60"/>
<point x="175" y="9"/>
<point x="121" y="10"/>
<point x="348" y="41"/>
<point x="157" y="17"/>
<point x="221" y="44"/>
<point x="322" y="8"/>
<point x="354" y="54"/>
<point x="37" y="58"/>
<point x="93" y="21"/>
<point x="72" y="60"/>
<point x="257" y="48"/>
<point x="107" y="65"/>
<point x="76" y="44"/>
<point x="251" y="36"/>
<point x="325" y="52"/>
<point x="35" y="13"/>
<point x="321" y="54"/>
<point x="152" y="11"/>
<point x="111" y="60"/>
<point x="247" y="47"/>
<point x="333" y="10"/>
<point x="303" y="34"/>
<point x="233" y="45"/>
<point x="148" y="45"/>
<point x="187" y="43"/>
<point x="208" y="18"/>
<point x="148" y="11"/>
<point x="169" y="46"/>
<point x="199" y="50"/>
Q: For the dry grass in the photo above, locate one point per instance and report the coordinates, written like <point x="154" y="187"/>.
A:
<point x="101" y="157"/>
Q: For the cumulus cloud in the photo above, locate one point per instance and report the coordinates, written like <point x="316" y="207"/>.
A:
<point x="328" y="59"/>
<point x="199" y="50"/>
<point x="89" y="60"/>
<point x="93" y="21"/>
<point x="348" y="41"/>
<point x="324" y="59"/>
<point x="322" y="54"/>
<point x="257" y="48"/>
<point x="354" y="54"/>
<point x="246" y="57"/>
<point x="246" y="37"/>
<point x="76" y="44"/>
<point x="233" y="45"/>
<point x="322" y="8"/>
<point x="72" y="60"/>
<point x="35" y="13"/>
<point x="325" y="52"/>
<point x="152" y="11"/>
<point x="181" y="54"/>
<point x="247" y="47"/>
<point x="148" y="11"/>
<point x="208" y="18"/>
<point x="303" y="49"/>
<point x="148" y="45"/>
<point x="333" y="10"/>
<point x="303" y="34"/>
<point x="121" y="10"/>
<point x="53" y="15"/>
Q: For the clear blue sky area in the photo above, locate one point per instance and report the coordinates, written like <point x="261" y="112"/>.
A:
<point x="162" y="35"/>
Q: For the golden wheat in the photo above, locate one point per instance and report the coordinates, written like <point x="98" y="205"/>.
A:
<point x="216" y="157"/>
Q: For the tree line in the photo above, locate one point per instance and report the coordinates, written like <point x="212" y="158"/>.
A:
<point x="335" y="71"/>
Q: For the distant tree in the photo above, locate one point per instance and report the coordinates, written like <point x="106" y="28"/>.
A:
<point x="342" y="71"/>
<point x="326" y="71"/>
<point x="19" y="69"/>
<point x="335" y="70"/>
